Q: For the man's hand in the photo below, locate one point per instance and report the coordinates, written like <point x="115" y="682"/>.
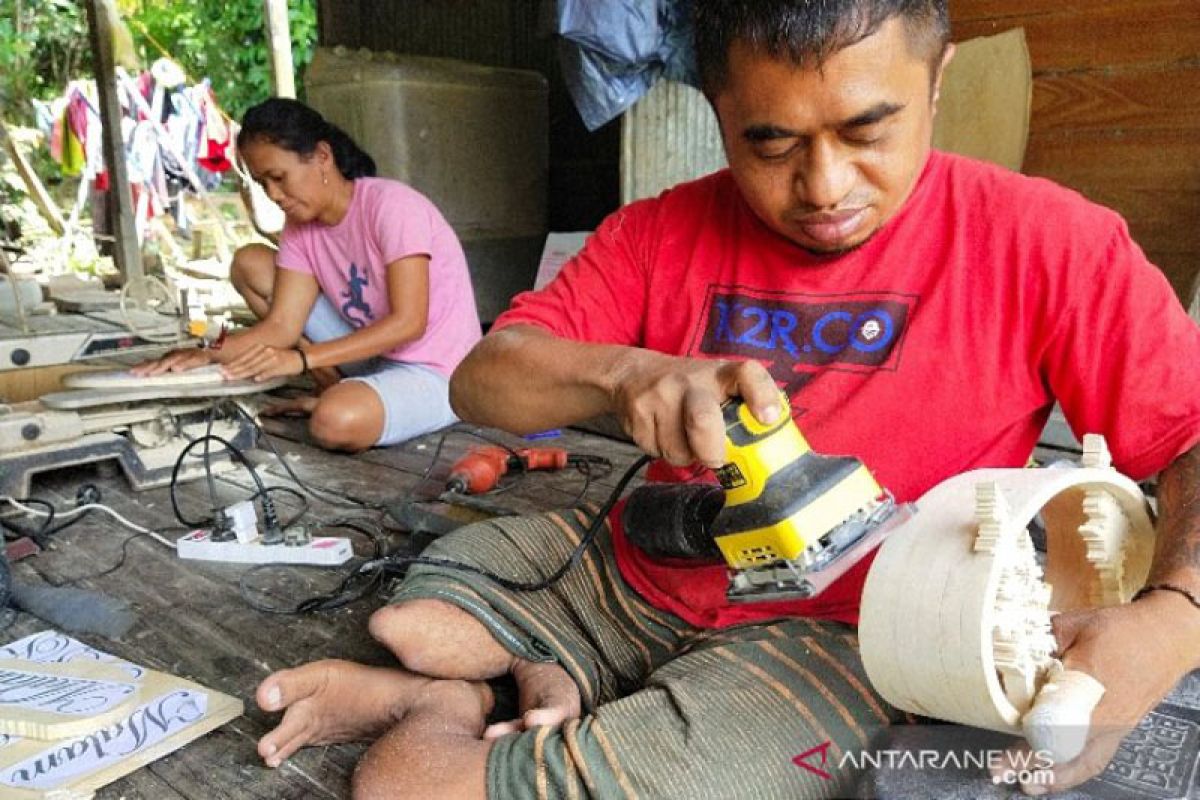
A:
<point x="1138" y="652"/>
<point x="524" y="379"/>
<point x="671" y="407"/>
<point x="175" y="361"/>
<point x="263" y="362"/>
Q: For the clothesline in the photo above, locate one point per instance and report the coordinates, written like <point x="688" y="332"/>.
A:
<point x="176" y="140"/>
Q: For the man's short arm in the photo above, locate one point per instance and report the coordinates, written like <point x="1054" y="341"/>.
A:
<point x="524" y="379"/>
<point x="1177" y="549"/>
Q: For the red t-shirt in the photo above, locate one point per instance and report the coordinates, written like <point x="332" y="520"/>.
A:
<point x="937" y="347"/>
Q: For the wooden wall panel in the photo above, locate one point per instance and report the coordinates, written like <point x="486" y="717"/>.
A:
<point x="1143" y="99"/>
<point x="338" y="22"/>
<point x="1116" y="110"/>
<point x="1082" y="35"/>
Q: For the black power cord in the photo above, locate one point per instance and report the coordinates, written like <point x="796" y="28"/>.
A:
<point x="325" y="495"/>
<point x="367" y="576"/>
<point x="363" y="579"/>
<point x="585" y="464"/>
<point x="273" y="532"/>
<point x="87" y="494"/>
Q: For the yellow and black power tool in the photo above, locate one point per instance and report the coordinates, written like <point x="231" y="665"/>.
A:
<point x="786" y="520"/>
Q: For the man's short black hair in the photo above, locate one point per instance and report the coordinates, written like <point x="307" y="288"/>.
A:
<point x="807" y="32"/>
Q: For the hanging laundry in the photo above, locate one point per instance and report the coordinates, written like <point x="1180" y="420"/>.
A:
<point x="168" y="130"/>
<point x="613" y="52"/>
<point x="141" y="153"/>
<point x="218" y="137"/>
<point x="56" y="138"/>
<point x="73" y="157"/>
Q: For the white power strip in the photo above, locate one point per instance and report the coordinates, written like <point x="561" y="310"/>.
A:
<point x="322" y="551"/>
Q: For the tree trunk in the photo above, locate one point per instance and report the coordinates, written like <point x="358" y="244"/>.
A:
<point x="279" y="45"/>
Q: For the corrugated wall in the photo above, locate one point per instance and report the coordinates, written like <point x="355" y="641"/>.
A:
<point x="670" y="135"/>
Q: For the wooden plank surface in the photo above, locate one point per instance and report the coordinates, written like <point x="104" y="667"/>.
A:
<point x="1152" y="177"/>
<point x="1116" y="112"/>
<point x="1083" y="35"/>
<point x="193" y="622"/>
<point x="1146" y="98"/>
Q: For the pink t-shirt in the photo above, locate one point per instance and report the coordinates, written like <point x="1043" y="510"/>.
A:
<point x="387" y="221"/>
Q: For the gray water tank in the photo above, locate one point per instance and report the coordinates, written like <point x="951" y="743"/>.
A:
<point x="473" y="139"/>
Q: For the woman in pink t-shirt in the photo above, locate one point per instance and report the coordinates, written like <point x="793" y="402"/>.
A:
<point x="369" y="290"/>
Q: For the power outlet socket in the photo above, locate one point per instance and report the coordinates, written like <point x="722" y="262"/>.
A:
<point x="323" y="551"/>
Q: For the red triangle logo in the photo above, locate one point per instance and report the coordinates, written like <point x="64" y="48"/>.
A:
<point x="802" y="760"/>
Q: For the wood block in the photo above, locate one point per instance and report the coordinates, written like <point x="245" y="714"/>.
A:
<point x="58" y="701"/>
<point x="954" y="621"/>
<point x="169" y="713"/>
<point x="30" y="383"/>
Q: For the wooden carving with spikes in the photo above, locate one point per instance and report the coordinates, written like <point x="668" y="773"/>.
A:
<point x="961" y="579"/>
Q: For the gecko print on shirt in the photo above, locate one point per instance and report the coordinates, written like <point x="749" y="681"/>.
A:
<point x="796" y="335"/>
<point x="356" y="310"/>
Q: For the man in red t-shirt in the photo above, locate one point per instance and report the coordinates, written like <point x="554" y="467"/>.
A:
<point x="923" y="313"/>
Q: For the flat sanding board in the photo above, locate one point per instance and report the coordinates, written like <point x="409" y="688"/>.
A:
<point x="74" y="399"/>
<point x="170" y="712"/>
<point x="125" y="379"/>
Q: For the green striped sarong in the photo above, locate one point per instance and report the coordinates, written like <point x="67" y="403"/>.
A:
<point x="669" y="710"/>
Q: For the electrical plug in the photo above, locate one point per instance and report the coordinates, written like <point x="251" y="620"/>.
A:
<point x="222" y="529"/>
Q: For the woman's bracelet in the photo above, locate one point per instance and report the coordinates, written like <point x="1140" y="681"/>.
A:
<point x="303" y="360"/>
<point x="1166" y="587"/>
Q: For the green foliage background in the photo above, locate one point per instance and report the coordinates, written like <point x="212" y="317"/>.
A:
<point x="44" y="44"/>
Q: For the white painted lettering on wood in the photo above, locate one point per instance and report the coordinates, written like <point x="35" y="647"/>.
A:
<point x="148" y="725"/>
<point x="58" y="694"/>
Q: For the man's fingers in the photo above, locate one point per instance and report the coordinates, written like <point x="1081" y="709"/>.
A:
<point x="674" y="410"/>
<point x="757" y="388"/>
<point x="1037" y="774"/>
<point x="703" y="427"/>
<point x="671" y="439"/>
<point x="1065" y="627"/>
<point x="640" y="428"/>
<point x="1091" y="763"/>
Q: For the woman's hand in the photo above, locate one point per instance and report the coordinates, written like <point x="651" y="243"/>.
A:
<point x="175" y="361"/>
<point x="262" y="362"/>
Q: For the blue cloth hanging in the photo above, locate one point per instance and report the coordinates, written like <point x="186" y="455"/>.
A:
<point x="612" y="51"/>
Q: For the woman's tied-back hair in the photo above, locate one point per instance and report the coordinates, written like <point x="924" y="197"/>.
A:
<point x="807" y="32"/>
<point x="294" y="126"/>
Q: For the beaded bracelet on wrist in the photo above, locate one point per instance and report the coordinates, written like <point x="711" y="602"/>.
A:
<point x="1166" y="587"/>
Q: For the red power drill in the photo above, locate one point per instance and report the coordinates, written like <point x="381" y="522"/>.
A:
<point x="482" y="467"/>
